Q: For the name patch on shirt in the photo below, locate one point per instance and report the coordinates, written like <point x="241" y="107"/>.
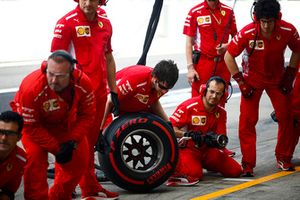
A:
<point x="83" y="31"/>
<point x="201" y="20"/>
<point x="198" y="120"/>
<point x="259" y="44"/>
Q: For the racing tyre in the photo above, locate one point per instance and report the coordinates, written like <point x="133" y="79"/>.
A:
<point x="142" y="152"/>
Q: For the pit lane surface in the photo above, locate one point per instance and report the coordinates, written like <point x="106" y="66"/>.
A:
<point x="279" y="186"/>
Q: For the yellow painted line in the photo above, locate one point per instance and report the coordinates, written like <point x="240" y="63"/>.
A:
<point x="245" y="185"/>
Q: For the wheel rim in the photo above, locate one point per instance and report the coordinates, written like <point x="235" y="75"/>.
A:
<point x="142" y="151"/>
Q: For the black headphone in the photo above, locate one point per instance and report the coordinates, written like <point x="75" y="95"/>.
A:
<point x="66" y="56"/>
<point x="218" y="79"/>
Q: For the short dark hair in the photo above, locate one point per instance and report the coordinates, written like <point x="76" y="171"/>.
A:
<point x="10" y="116"/>
<point x="166" y="71"/>
<point x="267" y="9"/>
<point x="218" y="79"/>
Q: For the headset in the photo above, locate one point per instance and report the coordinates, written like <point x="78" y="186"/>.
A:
<point x="65" y="55"/>
<point x="218" y="79"/>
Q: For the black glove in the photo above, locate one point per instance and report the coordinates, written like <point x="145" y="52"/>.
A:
<point x="115" y="101"/>
<point x="286" y="83"/>
<point x="101" y="143"/>
<point x="196" y="136"/>
<point x="66" y="152"/>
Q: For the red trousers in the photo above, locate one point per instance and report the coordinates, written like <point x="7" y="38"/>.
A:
<point x="192" y="160"/>
<point x="89" y="184"/>
<point x="249" y="110"/>
<point x="207" y="68"/>
<point x="67" y="175"/>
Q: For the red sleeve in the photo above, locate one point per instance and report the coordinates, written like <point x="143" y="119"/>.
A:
<point x="179" y="117"/>
<point x="233" y="28"/>
<point x="25" y="105"/>
<point x="294" y="42"/>
<point x="62" y="36"/>
<point x="237" y="44"/>
<point x="190" y="24"/>
<point x="85" y="114"/>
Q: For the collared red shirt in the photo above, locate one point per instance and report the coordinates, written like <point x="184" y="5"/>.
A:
<point x="89" y="40"/>
<point x="266" y="62"/>
<point x="12" y="169"/>
<point x="135" y="89"/>
<point x="208" y="27"/>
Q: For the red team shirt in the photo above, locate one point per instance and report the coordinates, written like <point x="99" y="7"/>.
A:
<point x="89" y="41"/>
<point x="47" y="115"/>
<point x="192" y="115"/>
<point x="11" y="170"/>
<point x="134" y="89"/>
<point x="207" y="27"/>
<point x="266" y="64"/>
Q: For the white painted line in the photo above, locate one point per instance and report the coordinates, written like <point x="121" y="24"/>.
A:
<point x="238" y="179"/>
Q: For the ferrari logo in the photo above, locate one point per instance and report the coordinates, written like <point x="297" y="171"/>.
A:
<point x="223" y="12"/>
<point x="100" y="24"/>
<point x="9" y="167"/>
<point x="217" y="114"/>
<point x="278" y="37"/>
<point x="198" y="120"/>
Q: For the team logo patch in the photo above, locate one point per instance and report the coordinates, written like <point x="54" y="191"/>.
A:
<point x="223" y="12"/>
<point x="100" y="24"/>
<point x="198" y="120"/>
<point x="9" y="167"/>
<point x="217" y="114"/>
<point x="83" y="31"/>
<point x="51" y="105"/>
<point x="142" y="98"/>
<point x="258" y="46"/>
<point x="278" y="37"/>
<point x="204" y="20"/>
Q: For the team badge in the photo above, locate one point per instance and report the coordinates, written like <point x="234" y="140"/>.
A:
<point x="51" y="105"/>
<point x="83" y="31"/>
<point x="278" y="37"/>
<point x="142" y="98"/>
<point x="259" y="45"/>
<point x="223" y="12"/>
<point x="198" y="120"/>
<point x="100" y="24"/>
<point x="201" y="20"/>
<point x="217" y="114"/>
<point x="9" y="167"/>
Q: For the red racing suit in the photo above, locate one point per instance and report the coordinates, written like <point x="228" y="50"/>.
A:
<point x="263" y="70"/>
<point x="89" y="41"/>
<point x="209" y="28"/>
<point x="192" y="115"/>
<point x="12" y="169"/>
<point x="49" y="120"/>
<point x="135" y="90"/>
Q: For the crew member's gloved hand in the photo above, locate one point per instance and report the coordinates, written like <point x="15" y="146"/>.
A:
<point x="101" y="143"/>
<point x="196" y="136"/>
<point x="286" y="83"/>
<point x="246" y="89"/>
<point x="66" y="151"/>
<point x="115" y="101"/>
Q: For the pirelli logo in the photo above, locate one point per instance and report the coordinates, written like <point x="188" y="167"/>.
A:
<point x="83" y="31"/>
<point x="259" y="44"/>
<point x="201" y="20"/>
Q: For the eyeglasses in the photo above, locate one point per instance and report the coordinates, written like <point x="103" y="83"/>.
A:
<point x="218" y="94"/>
<point x="8" y="133"/>
<point x="161" y="86"/>
<point x="58" y="75"/>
